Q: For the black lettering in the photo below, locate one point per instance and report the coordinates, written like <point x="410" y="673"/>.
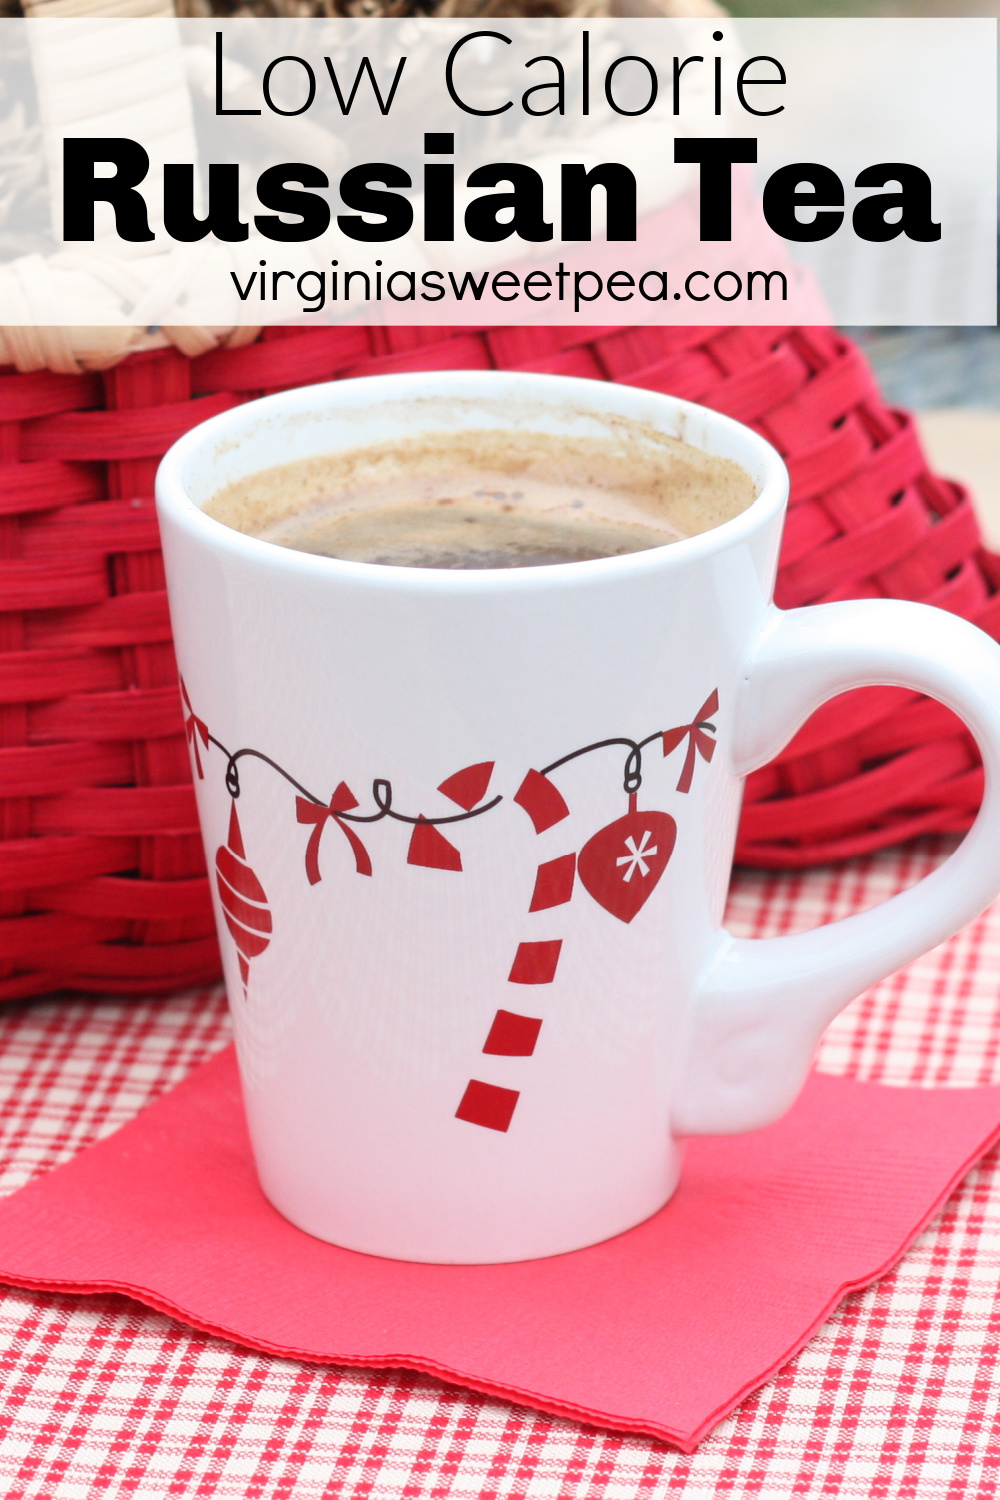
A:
<point x="913" y="200"/>
<point x="410" y="295"/>
<point x="743" y="82"/>
<point x="348" y="276"/>
<point x="654" y="86"/>
<point x="505" y="282"/>
<point x="313" y="212"/>
<point x="449" y="74"/>
<point x="619" y="283"/>
<point x="317" y="299"/>
<point x="310" y="90"/>
<point x="620" y="194"/>
<point x="240" y="292"/>
<point x="720" y="293"/>
<point x="223" y="217"/>
<point x="579" y="295"/>
<point x="439" y="200"/>
<point x="82" y="189"/>
<point x="218" y="84"/>
<point x="715" y="154"/>
<point x="542" y="280"/>
<point x="439" y="187"/>
<point x="434" y="282"/>
<point x="559" y="85"/>
<point x="468" y="283"/>
<point x="527" y="202"/>
<point x="397" y="212"/>
<point x="767" y="284"/>
<point x="678" y="70"/>
<point x="585" y="73"/>
<point x="784" y="193"/>
<point x="384" y="104"/>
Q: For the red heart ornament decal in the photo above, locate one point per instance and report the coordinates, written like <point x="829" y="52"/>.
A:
<point x="622" y="864"/>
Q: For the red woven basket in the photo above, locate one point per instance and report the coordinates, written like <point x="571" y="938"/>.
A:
<point x="102" y="883"/>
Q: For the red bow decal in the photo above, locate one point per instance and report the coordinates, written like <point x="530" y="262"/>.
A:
<point x="342" y="801"/>
<point x="699" y="742"/>
<point x="193" y="726"/>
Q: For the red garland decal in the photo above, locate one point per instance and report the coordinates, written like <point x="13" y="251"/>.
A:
<point x="470" y="786"/>
<point x="430" y="848"/>
<point x="619" y="866"/>
<point x="193" y="726"/>
<point x="342" y="801"/>
<point x="698" y="740"/>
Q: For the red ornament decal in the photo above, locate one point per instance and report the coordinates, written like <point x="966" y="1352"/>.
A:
<point x="622" y="864"/>
<point x="244" y="904"/>
<point x="469" y="786"/>
<point x="428" y="847"/>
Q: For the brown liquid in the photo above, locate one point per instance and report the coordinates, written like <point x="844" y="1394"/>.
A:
<point x="488" y="500"/>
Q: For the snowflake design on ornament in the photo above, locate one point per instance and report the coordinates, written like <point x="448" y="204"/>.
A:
<point x="636" y="858"/>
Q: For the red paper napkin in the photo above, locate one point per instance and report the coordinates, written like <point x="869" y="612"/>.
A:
<point x="662" y="1330"/>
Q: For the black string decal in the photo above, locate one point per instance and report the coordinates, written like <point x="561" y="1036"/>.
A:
<point x="462" y="787"/>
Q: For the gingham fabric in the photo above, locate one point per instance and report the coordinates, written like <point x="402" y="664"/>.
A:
<point x="896" y="1396"/>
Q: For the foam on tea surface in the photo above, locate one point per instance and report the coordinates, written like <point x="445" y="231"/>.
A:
<point x="487" y="499"/>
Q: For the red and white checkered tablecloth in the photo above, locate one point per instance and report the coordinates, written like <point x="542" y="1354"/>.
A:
<point x="896" y="1396"/>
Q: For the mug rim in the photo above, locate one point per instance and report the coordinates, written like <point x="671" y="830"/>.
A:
<point x="223" y="430"/>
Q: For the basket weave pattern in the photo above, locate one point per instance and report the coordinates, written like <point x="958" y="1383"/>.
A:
<point x="102" y="882"/>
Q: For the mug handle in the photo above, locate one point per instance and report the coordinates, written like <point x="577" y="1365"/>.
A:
<point x="761" y="1005"/>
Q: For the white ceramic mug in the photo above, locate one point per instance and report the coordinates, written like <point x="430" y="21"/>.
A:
<point x="471" y="833"/>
